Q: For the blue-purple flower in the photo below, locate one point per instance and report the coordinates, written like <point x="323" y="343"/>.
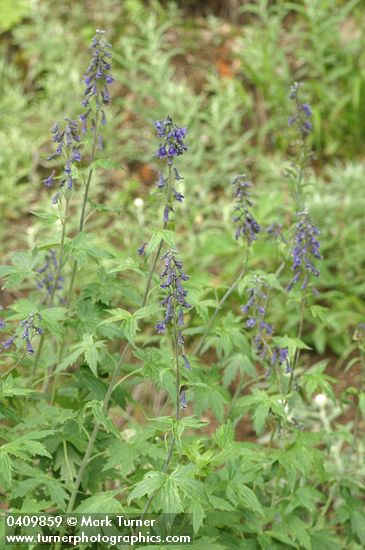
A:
<point x="175" y="302"/>
<point x="2" y="322"/>
<point x="303" y="112"/>
<point x="68" y="142"/>
<point x="97" y="79"/>
<point x="275" y="230"/>
<point x="305" y="252"/>
<point x="280" y="356"/>
<point x="142" y="249"/>
<point x="48" y="274"/>
<point x="171" y="147"/>
<point x="175" y="305"/>
<point x="255" y="308"/>
<point x="246" y="225"/>
<point x="29" y="328"/>
<point x="183" y="401"/>
<point x="172" y="144"/>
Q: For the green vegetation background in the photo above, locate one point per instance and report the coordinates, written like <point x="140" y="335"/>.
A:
<point x="225" y="73"/>
<point x="223" y="69"/>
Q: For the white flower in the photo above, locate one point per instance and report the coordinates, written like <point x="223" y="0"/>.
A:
<point x="138" y="202"/>
<point x="321" y="400"/>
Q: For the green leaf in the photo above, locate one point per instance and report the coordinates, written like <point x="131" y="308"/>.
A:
<point x="130" y="328"/>
<point x="260" y="416"/>
<point x="197" y="510"/>
<point x="106" y="421"/>
<point x="319" y="312"/>
<point x="238" y="493"/>
<point x="69" y="360"/>
<point x="51" y="319"/>
<point x="5" y="469"/>
<point x="89" y="348"/>
<point x="169" y="498"/>
<point x="48" y="218"/>
<point x="118" y="314"/>
<point x="123" y="456"/>
<point x="169" y="238"/>
<point x="291" y="343"/>
<point x="8" y="389"/>
<point x="151" y="483"/>
<point x="99" y="504"/>
<point x="154" y="242"/>
<point x="224" y="435"/>
<point x="145" y="312"/>
<point x="91" y="352"/>
<point x="83" y="248"/>
<point x="358" y="524"/>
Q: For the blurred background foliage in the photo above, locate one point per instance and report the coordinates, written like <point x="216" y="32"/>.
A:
<point x="224" y="70"/>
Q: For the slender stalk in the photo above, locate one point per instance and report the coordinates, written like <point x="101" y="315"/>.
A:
<point x="14" y="366"/>
<point x="297" y="351"/>
<point x="84" y="202"/>
<point x="81" y="227"/>
<point x="95" y="431"/>
<point x="177" y="416"/>
<point x="52" y="295"/>
<point x="198" y="348"/>
<point x="361" y="389"/>
<point x="113" y="380"/>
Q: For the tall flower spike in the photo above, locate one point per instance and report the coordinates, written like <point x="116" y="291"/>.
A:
<point x="172" y="144"/>
<point x="305" y="251"/>
<point x="68" y="142"/>
<point x="171" y="147"/>
<point x="301" y="118"/>
<point x="97" y="79"/>
<point x="48" y="273"/>
<point x="175" y="302"/>
<point x="256" y="309"/>
<point x="2" y="322"/>
<point x="246" y="225"/>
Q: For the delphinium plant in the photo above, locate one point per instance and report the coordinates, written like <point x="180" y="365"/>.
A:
<point x="98" y="328"/>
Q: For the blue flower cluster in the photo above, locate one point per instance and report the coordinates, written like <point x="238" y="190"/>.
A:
<point x="97" y="78"/>
<point x="256" y="308"/>
<point x="306" y="250"/>
<point x="175" y="302"/>
<point x="275" y="230"/>
<point x="49" y="274"/>
<point x="247" y="226"/>
<point x="173" y="140"/>
<point x="68" y="140"/>
<point x="29" y="328"/>
<point x="303" y="112"/>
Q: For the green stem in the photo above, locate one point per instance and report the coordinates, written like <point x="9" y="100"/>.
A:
<point x="297" y="351"/>
<point x="81" y="227"/>
<point x="14" y="366"/>
<point x="177" y="416"/>
<point x="84" y="202"/>
<point x="112" y="383"/>
<point x="52" y="295"/>
<point x="361" y="389"/>
<point x="198" y="348"/>
<point x="95" y="431"/>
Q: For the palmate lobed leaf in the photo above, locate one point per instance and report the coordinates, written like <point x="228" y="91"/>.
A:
<point x="100" y="503"/>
